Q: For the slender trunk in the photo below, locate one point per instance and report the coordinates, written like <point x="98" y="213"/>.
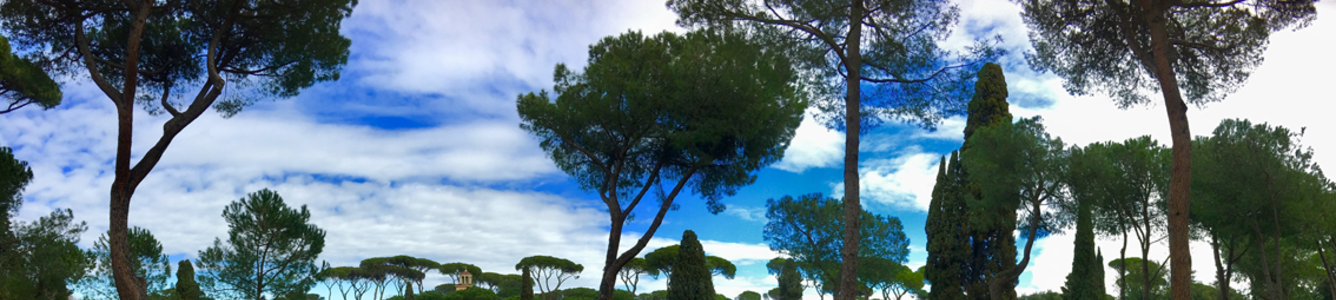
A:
<point x="1326" y="268"/>
<point x="1266" y="268"/>
<point x="123" y="185"/>
<point x="1180" y="179"/>
<point x="852" y="208"/>
<point x="1220" y="281"/>
<point x="1122" y="272"/>
<point x="1008" y="277"/>
<point x="609" y="281"/>
<point x="1280" y="268"/>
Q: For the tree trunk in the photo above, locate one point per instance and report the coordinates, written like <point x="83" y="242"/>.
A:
<point x="614" y="262"/>
<point x="852" y="209"/>
<point x="1009" y="276"/>
<point x="123" y="185"/>
<point x="1222" y="284"/>
<point x="1122" y="272"/>
<point x="1180" y="179"/>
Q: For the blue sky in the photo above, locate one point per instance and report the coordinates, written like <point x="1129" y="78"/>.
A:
<point x="417" y="149"/>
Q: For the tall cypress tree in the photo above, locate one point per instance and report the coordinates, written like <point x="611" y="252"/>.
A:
<point x="1098" y="266"/>
<point x="526" y="284"/>
<point x="1086" y="279"/>
<point x="790" y="282"/>
<point x="948" y="246"/>
<point x="993" y="247"/>
<point x="690" y="279"/>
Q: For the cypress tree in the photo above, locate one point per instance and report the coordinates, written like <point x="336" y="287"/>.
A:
<point x="1099" y="274"/>
<point x="992" y="245"/>
<point x="186" y="286"/>
<point x="690" y="279"/>
<point x="1085" y="279"/>
<point x="790" y="283"/>
<point x="526" y="285"/>
<point x="947" y="246"/>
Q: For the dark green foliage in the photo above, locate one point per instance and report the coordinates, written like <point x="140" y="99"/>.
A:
<point x="271" y="249"/>
<point x="47" y="258"/>
<point x="989" y="106"/>
<point x="691" y="279"/>
<point x="14" y="177"/>
<point x="1018" y="167"/>
<point x="966" y="252"/>
<point x="1045" y="295"/>
<point x="526" y="285"/>
<point x="790" y="282"/>
<point x="430" y="295"/>
<point x="660" y="263"/>
<point x="947" y="229"/>
<point x="720" y="297"/>
<point x="809" y="229"/>
<point x="1086" y="280"/>
<point x="146" y="258"/>
<point x="186" y="287"/>
<point x="23" y="83"/>
<point x="699" y="111"/>
<point x="472" y="293"/>
<point x="748" y="295"/>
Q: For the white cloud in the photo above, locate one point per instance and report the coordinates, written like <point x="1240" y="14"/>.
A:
<point x="754" y="214"/>
<point x="468" y="49"/>
<point x="904" y="181"/>
<point x="813" y="146"/>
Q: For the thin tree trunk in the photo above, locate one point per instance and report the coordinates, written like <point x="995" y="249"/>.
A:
<point x="1180" y="179"/>
<point x="1222" y="285"/>
<point x="852" y="208"/>
<point x="1122" y="272"/>
<point x="614" y="262"/>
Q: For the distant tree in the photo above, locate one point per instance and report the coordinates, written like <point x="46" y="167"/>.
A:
<point x="1018" y="167"/>
<point x="510" y="286"/>
<point x="47" y="258"/>
<point x="1134" y="277"/>
<point x="1196" y="50"/>
<point x="790" y="282"/>
<point x="549" y="273"/>
<point x="748" y="295"/>
<point x="23" y="83"/>
<point x="421" y="265"/>
<point x="398" y="270"/>
<point x="705" y="109"/>
<point x="453" y="269"/>
<point x="271" y="249"/>
<point x="893" y="279"/>
<point x="1086" y="280"/>
<point x="720" y="297"/>
<point x="809" y="228"/>
<point x="186" y="287"/>
<point x="632" y="271"/>
<point x="149" y="263"/>
<point x="151" y="54"/>
<point x="691" y="278"/>
<point x="1135" y="178"/>
<point x="719" y="266"/>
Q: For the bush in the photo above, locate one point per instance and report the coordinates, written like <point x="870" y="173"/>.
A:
<point x="472" y="293"/>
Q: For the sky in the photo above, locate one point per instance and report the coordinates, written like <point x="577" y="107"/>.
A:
<point x="417" y="149"/>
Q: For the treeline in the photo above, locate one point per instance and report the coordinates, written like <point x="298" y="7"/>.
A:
<point x="1259" y="200"/>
